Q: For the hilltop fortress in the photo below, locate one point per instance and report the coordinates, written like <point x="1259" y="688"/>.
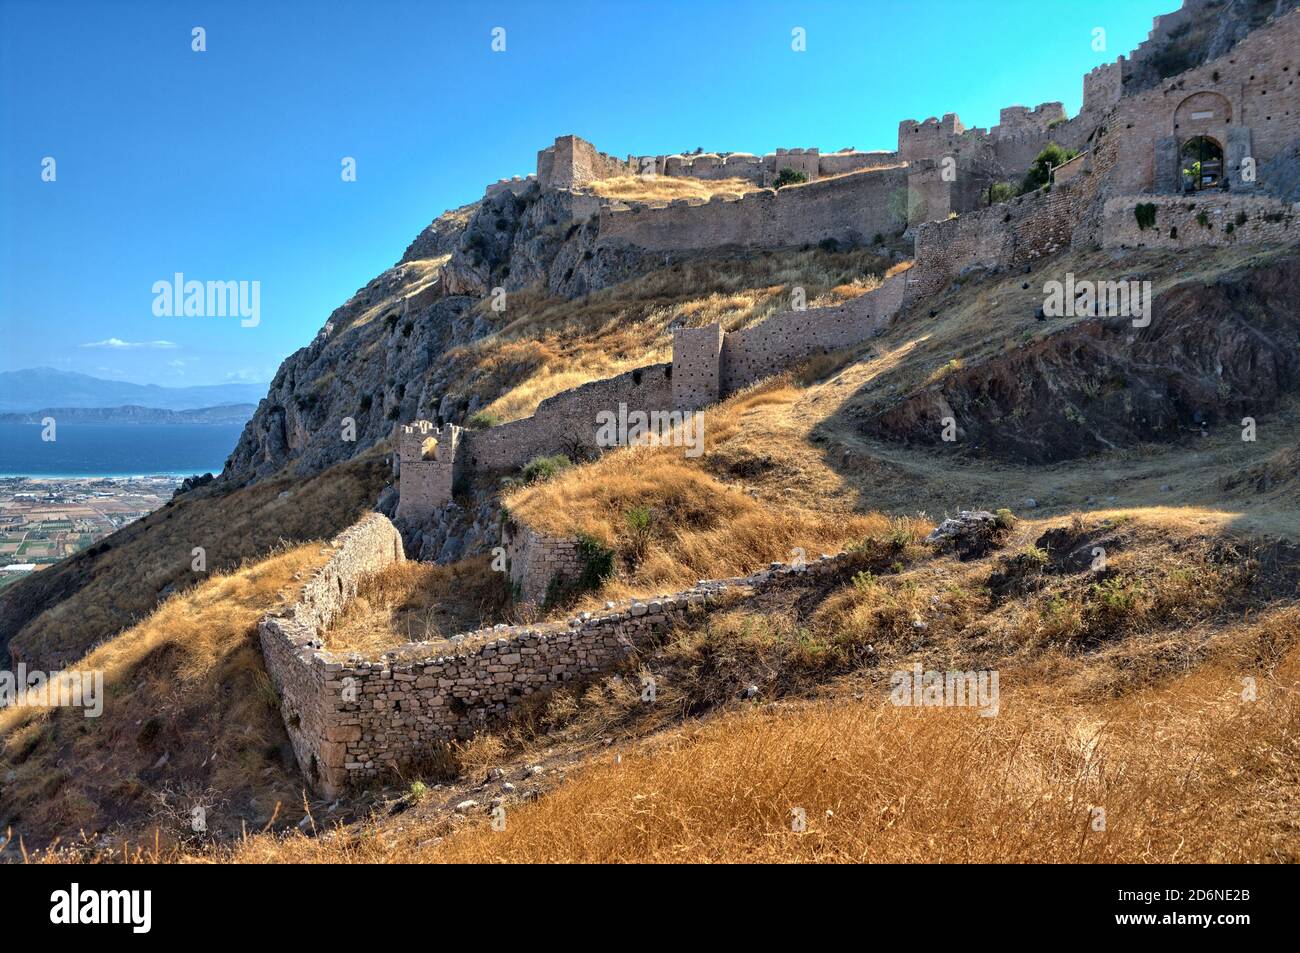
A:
<point x="1237" y="116"/>
<point x="1176" y="148"/>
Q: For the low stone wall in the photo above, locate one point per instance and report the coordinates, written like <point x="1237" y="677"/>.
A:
<point x="535" y="560"/>
<point x="290" y="641"/>
<point x="1196" y="220"/>
<point x="355" y="720"/>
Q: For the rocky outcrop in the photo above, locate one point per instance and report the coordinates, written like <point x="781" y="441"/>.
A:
<point x="1195" y="34"/>
<point x="1212" y="354"/>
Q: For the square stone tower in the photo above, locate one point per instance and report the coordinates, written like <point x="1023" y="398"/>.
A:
<point x="697" y="366"/>
<point x="427" y="469"/>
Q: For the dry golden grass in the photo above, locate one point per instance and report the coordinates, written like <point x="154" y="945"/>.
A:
<point x="1186" y="770"/>
<point x="698" y="526"/>
<point x="188" y="712"/>
<point x="1184" y="773"/>
<point x="550" y="345"/>
<point x="101" y="596"/>
<point x="419" y="602"/>
<point x="663" y="188"/>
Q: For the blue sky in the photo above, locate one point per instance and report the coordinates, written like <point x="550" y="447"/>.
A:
<point x="225" y="165"/>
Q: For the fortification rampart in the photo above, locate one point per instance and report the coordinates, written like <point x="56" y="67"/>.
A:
<point x="567" y="422"/>
<point x="772" y="346"/>
<point x="355" y="720"/>
<point x="853" y="208"/>
<point x="1205" y="219"/>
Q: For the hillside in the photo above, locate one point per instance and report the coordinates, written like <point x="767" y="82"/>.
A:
<point x="224" y="414"/>
<point x="30" y="390"/>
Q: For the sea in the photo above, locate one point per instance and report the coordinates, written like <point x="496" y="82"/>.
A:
<point x="116" y="450"/>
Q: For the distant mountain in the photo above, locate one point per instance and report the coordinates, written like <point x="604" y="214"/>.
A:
<point x="39" y="387"/>
<point x="225" y="414"/>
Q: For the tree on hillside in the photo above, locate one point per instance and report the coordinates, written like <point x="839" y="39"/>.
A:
<point x="1040" y="172"/>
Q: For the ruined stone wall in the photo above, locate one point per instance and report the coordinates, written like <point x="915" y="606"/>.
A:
<point x="291" y="647"/>
<point x="697" y="357"/>
<point x="772" y="346"/>
<point x="1021" y="230"/>
<point x="515" y="186"/>
<point x="853" y="209"/>
<point x="1204" y="219"/>
<point x="572" y="162"/>
<point x="535" y="561"/>
<point x="567" y="420"/>
<point x="355" y="720"/>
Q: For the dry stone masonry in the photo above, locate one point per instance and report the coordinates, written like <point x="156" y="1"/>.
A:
<point x="354" y="720"/>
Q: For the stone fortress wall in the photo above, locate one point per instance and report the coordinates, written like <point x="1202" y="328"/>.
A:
<point x="351" y="720"/>
<point x="854" y="208"/>
<point x="1089" y="204"/>
<point x="355" y="720"/>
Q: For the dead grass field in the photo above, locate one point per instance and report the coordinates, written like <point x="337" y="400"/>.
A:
<point x="189" y="716"/>
<point x="419" y="602"/>
<point x="663" y="188"/>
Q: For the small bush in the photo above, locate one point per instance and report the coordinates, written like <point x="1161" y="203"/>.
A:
<point x="788" y="176"/>
<point x="1006" y="519"/>
<point x="482" y="420"/>
<point x="1001" y="192"/>
<point x="540" y="469"/>
<point x="597" y="562"/>
<point x="1145" y="213"/>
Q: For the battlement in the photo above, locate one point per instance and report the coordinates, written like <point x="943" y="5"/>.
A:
<point x="1019" y="121"/>
<point x="427" y="468"/>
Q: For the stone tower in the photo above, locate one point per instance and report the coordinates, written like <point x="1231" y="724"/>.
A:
<point x="427" y="468"/>
<point x="697" y="366"/>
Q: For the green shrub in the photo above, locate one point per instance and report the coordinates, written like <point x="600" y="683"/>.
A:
<point x="788" y="176"/>
<point x="597" y="562"/>
<point x="1005" y="519"/>
<point x="1040" y="172"/>
<point x="541" y="469"/>
<point x="482" y="420"/>
<point x="1145" y="213"/>
<point x="1001" y="192"/>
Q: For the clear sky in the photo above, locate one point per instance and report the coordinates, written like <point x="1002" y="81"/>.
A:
<point x="225" y="164"/>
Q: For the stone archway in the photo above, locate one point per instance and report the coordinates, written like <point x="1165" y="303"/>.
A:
<point x="1201" y="163"/>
